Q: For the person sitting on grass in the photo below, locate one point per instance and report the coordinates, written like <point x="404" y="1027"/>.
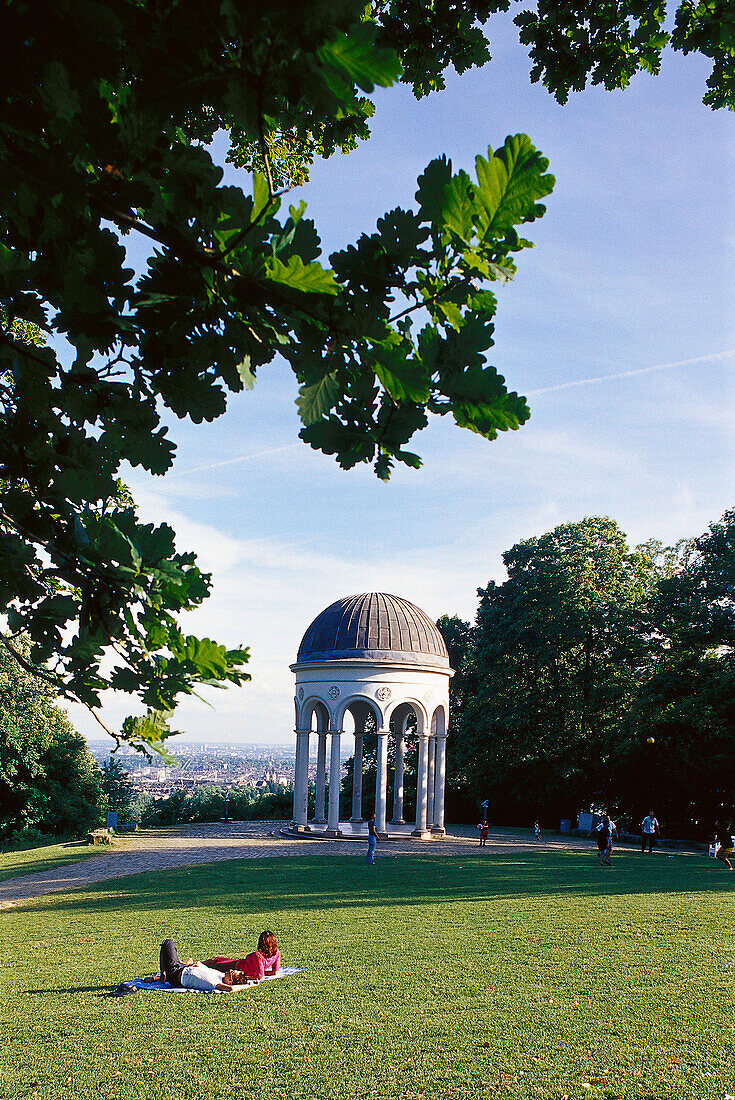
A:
<point x="723" y="840"/>
<point x="196" y="975"/>
<point x="264" y="962"/>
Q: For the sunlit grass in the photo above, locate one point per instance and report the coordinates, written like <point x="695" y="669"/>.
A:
<point x="29" y="860"/>
<point x="530" y="976"/>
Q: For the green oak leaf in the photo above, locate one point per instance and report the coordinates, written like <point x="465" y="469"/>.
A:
<point x="458" y="208"/>
<point x="452" y="313"/>
<point x="151" y="729"/>
<point x="319" y="398"/>
<point x="356" y="56"/>
<point x="432" y="187"/>
<point x="246" y="373"/>
<point x="404" y="379"/>
<point x="57" y="92"/>
<point x="208" y="658"/>
<point x="509" y="183"/>
<point x="309" y="278"/>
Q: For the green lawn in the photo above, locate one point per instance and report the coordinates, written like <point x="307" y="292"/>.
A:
<point x="426" y="977"/>
<point x="41" y="859"/>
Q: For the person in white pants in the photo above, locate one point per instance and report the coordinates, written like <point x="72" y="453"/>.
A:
<point x="190" y="975"/>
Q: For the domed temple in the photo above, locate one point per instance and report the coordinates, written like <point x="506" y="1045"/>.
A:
<point x="377" y="658"/>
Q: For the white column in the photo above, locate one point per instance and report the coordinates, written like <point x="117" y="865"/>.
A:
<point x="321" y="778"/>
<point x="301" y="781"/>
<point x="398" y="782"/>
<point x="422" y="768"/>
<point x="357" y="779"/>
<point x="441" y="775"/>
<point x="381" y="782"/>
<point x="296" y="780"/>
<point x="430" y="782"/>
<point x="334" y="780"/>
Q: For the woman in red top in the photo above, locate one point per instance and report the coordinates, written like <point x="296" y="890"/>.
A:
<point x="259" y="964"/>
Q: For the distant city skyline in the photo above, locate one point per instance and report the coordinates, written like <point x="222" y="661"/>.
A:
<point x="104" y="744"/>
<point x="619" y="326"/>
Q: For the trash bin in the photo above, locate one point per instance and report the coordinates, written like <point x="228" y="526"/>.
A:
<point x="565" y="825"/>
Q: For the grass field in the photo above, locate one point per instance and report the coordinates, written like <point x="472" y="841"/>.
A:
<point x="41" y="859"/>
<point x="539" y="975"/>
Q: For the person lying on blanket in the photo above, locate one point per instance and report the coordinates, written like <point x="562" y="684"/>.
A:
<point x="220" y="972"/>
<point x="196" y="975"/>
<point x="264" y="962"/>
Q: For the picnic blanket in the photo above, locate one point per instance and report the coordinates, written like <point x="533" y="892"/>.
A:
<point x="135" y="984"/>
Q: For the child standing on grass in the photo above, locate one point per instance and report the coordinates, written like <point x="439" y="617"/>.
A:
<point x="484" y="830"/>
<point x="536" y="831"/>
<point x="605" y="831"/>
<point x="724" y="844"/>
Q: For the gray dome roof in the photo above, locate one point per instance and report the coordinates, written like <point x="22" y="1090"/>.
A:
<point x="376" y="626"/>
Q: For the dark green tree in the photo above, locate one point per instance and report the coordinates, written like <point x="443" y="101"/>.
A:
<point x="167" y="811"/>
<point x="677" y="749"/>
<point x="207" y="803"/>
<point x="48" y="780"/>
<point x="101" y="135"/>
<point x="459" y="639"/>
<point x="557" y="656"/>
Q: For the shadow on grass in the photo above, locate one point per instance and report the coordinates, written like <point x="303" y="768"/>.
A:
<point x="101" y="989"/>
<point x="74" y="851"/>
<point x="313" y="882"/>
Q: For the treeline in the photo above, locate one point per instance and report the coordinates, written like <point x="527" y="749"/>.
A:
<point x="50" y="785"/>
<point x="208" y="804"/>
<point x="597" y="675"/>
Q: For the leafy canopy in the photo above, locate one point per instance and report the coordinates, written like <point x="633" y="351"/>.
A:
<point x="571" y="43"/>
<point x="48" y="780"/>
<point x="599" y="674"/>
<point x="100" y="104"/>
<point x="106" y="109"/>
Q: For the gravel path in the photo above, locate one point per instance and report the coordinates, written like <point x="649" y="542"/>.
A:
<point x="185" y="845"/>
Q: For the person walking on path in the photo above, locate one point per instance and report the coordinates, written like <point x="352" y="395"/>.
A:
<point x="724" y="843"/>
<point x="649" y="828"/>
<point x="605" y="831"/>
<point x="372" y="839"/>
<point x="484" y="830"/>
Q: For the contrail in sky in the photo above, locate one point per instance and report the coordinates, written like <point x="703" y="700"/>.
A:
<point x="631" y="373"/>
<point x="240" y="458"/>
<point x="532" y="393"/>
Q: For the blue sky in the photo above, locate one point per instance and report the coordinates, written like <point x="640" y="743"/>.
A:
<point x="619" y="326"/>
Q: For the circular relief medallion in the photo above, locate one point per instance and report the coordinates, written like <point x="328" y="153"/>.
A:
<point x="428" y="697"/>
<point x="333" y="692"/>
<point x="383" y="693"/>
<point x="301" y="693"/>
